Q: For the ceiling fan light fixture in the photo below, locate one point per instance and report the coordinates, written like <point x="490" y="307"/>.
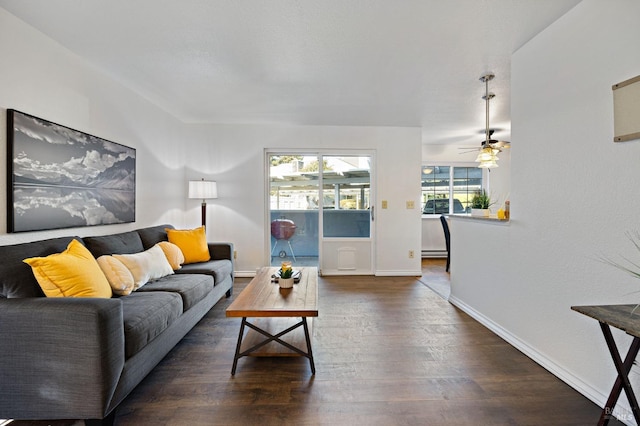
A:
<point x="489" y="148"/>
<point x="488" y="155"/>
<point x="489" y="164"/>
<point x="483" y="156"/>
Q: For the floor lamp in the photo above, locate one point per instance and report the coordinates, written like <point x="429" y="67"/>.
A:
<point x="203" y="190"/>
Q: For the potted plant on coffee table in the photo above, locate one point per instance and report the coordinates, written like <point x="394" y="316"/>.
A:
<point x="286" y="275"/>
<point x="480" y="204"/>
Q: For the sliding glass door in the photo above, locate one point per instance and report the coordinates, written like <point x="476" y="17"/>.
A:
<point x="320" y="211"/>
<point x="294" y="207"/>
<point x="347" y="218"/>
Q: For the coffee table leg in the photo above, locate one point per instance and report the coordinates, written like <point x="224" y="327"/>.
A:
<point x="237" y="355"/>
<point x="622" y="381"/>
<point x="309" y="352"/>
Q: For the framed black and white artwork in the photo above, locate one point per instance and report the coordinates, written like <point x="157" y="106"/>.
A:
<point x="626" y="110"/>
<point x="59" y="177"/>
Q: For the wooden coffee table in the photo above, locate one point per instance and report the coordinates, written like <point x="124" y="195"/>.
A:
<point x="274" y="309"/>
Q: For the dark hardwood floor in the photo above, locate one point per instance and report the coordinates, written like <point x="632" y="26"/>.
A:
<point x="388" y="351"/>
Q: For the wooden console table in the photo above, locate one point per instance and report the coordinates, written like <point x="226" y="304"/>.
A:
<point x="627" y="319"/>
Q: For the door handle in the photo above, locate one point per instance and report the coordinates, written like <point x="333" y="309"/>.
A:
<point x="373" y="213"/>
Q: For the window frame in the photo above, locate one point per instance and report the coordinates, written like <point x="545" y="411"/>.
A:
<point x="452" y="166"/>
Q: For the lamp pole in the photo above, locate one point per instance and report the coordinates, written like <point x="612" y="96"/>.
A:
<point x="204" y="212"/>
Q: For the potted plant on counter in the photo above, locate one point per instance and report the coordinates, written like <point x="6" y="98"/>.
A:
<point x="480" y="204"/>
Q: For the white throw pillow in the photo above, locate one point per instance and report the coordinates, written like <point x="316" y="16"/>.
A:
<point x="119" y="277"/>
<point x="148" y="265"/>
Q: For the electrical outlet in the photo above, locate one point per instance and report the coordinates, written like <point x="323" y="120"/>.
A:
<point x="384" y="204"/>
<point x="410" y="254"/>
<point x="411" y="205"/>
<point x="235" y="255"/>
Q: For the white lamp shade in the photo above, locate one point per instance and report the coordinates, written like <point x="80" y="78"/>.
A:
<point x="203" y="189"/>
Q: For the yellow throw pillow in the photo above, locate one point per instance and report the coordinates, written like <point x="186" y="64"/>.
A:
<point x="72" y="273"/>
<point x="119" y="277"/>
<point x="192" y="242"/>
<point x="173" y="254"/>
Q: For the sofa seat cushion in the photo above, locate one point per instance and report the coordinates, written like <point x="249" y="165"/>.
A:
<point x="146" y="315"/>
<point x="219" y="269"/>
<point x="191" y="287"/>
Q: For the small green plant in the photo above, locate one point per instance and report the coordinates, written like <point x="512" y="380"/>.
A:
<point x="286" y="271"/>
<point x="481" y="200"/>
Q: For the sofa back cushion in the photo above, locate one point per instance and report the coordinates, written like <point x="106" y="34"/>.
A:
<point x="153" y="235"/>
<point x="124" y="243"/>
<point x="16" y="277"/>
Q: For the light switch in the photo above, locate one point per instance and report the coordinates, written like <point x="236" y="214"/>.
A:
<point x="384" y="204"/>
<point x="411" y="205"/>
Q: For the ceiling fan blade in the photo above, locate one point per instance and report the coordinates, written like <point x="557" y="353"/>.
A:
<point x="500" y="144"/>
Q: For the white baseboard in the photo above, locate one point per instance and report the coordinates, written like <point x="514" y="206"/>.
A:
<point x="622" y="410"/>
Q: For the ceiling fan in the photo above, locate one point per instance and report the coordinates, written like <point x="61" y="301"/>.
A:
<point x="489" y="148"/>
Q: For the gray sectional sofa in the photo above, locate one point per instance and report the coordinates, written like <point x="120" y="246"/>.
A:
<point x="78" y="358"/>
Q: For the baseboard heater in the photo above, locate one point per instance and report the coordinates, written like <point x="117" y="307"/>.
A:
<point x="434" y="253"/>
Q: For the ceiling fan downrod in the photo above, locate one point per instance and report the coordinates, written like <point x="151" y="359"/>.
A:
<point x="486" y="79"/>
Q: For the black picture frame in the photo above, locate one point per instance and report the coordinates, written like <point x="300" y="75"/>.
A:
<point x="58" y="177"/>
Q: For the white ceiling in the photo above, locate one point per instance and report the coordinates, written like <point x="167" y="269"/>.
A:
<point x="313" y="62"/>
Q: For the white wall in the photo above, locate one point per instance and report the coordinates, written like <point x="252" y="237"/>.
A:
<point x="234" y="156"/>
<point x="44" y="79"/>
<point x="574" y="194"/>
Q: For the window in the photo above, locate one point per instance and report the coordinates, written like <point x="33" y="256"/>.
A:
<point x="440" y="184"/>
